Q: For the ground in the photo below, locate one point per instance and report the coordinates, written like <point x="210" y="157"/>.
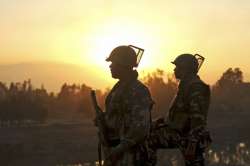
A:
<point x="64" y="143"/>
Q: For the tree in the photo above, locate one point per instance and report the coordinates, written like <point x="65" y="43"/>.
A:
<point x="229" y="91"/>
<point x="230" y="78"/>
<point x="162" y="91"/>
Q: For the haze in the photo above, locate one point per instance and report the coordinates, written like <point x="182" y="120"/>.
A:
<point x="82" y="33"/>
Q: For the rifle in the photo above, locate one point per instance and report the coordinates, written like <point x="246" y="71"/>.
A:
<point x="100" y="125"/>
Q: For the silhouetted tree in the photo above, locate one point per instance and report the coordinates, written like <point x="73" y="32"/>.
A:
<point x="230" y="92"/>
<point x="163" y="88"/>
<point x="21" y="102"/>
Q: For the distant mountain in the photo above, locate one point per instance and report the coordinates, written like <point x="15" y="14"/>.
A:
<point x="51" y="75"/>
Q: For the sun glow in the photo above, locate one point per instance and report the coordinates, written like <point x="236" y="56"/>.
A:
<point x="109" y="36"/>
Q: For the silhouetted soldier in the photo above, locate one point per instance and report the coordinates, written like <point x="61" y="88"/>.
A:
<point x="127" y="116"/>
<point x="185" y="125"/>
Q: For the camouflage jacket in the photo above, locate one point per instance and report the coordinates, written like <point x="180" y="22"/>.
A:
<point x="127" y="117"/>
<point x="190" y="106"/>
<point x="185" y="122"/>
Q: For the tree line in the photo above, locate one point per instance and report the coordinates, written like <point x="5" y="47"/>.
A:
<point x="21" y="101"/>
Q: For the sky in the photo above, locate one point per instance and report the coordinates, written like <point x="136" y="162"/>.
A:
<point x="84" y="32"/>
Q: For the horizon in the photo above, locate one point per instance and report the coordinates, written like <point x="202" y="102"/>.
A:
<point x="76" y="75"/>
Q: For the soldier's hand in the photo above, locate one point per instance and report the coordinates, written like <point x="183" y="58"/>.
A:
<point x="157" y="123"/>
<point x="160" y="120"/>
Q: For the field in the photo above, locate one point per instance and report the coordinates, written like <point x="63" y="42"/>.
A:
<point x="68" y="143"/>
<point x="50" y="144"/>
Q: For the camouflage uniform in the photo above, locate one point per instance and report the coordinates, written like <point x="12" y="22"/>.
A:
<point x="185" y="125"/>
<point x="127" y="118"/>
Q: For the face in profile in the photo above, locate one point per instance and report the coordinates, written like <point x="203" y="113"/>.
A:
<point x="116" y="70"/>
<point x="178" y="72"/>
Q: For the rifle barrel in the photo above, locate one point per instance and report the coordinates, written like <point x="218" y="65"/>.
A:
<point x="94" y="101"/>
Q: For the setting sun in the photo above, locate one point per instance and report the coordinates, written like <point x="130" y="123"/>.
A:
<point x="104" y="38"/>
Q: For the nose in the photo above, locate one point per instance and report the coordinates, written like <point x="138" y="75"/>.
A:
<point x="110" y="66"/>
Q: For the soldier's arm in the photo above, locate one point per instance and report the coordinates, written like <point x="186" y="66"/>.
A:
<point x="137" y="121"/>
<point x="199" y="103"/>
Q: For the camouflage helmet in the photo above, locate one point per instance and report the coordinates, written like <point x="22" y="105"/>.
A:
<point x="123" y="55"/>
<point x="187" y="61"/>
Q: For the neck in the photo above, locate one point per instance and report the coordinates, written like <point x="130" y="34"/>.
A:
<point x="188" y="77"/>
<point x="128" y="76"/>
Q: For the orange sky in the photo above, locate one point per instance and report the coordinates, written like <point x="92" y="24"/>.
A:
<point x="84" y="32"/>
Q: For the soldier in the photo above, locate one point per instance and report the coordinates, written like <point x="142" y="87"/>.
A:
<point x="127" y="116"/>
<point x="185" y="125"/>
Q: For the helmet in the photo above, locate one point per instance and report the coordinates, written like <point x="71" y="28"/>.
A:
<point x="123" y="55"/>
<point x="187" y="61"/>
